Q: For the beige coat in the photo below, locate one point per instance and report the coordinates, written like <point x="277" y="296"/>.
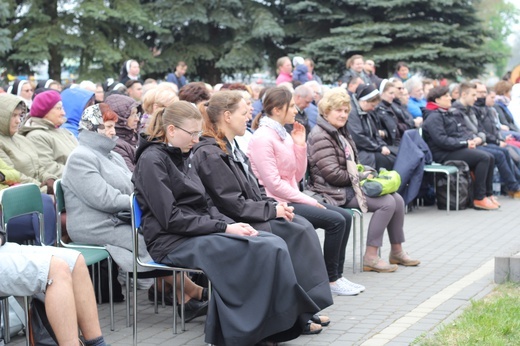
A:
<point x="17" y="151"/>
<point x="53" y="145"/>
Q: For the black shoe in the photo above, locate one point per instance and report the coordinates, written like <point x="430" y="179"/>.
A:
<point x="312" y="328"/>
<point x="317" y="319"/>
<point x="168" y="297"/>
<point x="193" y="309"/>
<point x="205" y="294"/>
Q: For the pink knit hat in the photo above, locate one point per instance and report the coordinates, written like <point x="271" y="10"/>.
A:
<point x="43" y="103"/>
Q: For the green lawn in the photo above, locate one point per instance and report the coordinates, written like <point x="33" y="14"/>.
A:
<point x="492" y="321"/>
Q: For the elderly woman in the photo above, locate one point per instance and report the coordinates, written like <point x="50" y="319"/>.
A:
<point x="20" y="153"/>
<point x="22" y="89"/>
<point x="373" y="150"/>
<point x="128" y="114"/>
<point x="333" y="174"/>
<point x="53" y="144"/>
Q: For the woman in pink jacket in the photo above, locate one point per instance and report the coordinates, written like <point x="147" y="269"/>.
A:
<point x="279" y="160"/>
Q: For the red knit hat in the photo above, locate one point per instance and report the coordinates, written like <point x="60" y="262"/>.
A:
<point x="43" y="103"/>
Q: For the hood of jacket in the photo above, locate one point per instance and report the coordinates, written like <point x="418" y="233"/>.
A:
<point x="122" y="105"/>
<point x="8" y="103"/>
<point x="97" y="141"/>
<point x="31" y="124"/>
<point x="74" y="102"/>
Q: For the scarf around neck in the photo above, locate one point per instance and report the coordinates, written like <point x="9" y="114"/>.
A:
<point x="275" y="125"/>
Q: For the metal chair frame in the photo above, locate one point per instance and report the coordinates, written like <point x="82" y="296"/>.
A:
<point x="448" y="170"/>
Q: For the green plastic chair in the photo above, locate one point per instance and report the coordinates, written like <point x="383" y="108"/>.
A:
<point x="16" y="201"/>
<point x="93" y="254"/>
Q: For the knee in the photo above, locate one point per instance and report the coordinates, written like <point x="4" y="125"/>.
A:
<point x="59" y="269"/>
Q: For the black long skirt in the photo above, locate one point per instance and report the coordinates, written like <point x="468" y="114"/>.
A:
<point x="307" y="257"/>
<point x="255" y="294"/>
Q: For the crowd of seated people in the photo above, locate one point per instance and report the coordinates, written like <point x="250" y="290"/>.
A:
<point x="227" y="173"/>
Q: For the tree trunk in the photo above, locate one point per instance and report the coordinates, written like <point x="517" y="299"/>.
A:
<point x="51" y="9"/>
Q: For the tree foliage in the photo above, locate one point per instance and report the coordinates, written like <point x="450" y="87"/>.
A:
<point x="437" y="37"/>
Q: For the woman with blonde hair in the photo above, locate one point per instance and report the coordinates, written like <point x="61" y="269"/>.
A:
<point x="333" y="163"/>
<point x="157" y="98"/>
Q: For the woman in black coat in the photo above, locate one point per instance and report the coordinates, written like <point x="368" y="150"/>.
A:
<point x="372" y="149"/>
<point x="229" y="180"/>
<point x="255" y="293"/>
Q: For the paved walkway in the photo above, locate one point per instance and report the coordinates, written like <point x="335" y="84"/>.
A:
<point x="457" y="252"/>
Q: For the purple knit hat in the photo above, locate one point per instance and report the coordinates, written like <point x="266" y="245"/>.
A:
<point x="43" y="103"/>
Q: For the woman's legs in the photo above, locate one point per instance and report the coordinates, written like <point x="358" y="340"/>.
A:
<point x="336" y="223"/>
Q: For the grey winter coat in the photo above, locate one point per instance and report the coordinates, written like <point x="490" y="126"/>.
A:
<point x="97" y="185"/>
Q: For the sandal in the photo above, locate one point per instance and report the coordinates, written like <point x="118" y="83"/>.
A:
<point x="322" y="320"/>
<point x="312" y="328"/>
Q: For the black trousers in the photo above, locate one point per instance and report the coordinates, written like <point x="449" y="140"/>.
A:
<point x="482" y="164"/>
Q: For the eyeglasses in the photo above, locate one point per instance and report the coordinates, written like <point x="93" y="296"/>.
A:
<point x="58" y="108"/>
<point x="194" y="134"/>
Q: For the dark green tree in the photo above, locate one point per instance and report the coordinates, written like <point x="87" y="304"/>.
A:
<point x="436" y="37"/>
<point x="94" y="35"/>
<point x="215" y="38"/>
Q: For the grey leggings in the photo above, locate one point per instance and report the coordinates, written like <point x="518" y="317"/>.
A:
<point x="388" y="213"/>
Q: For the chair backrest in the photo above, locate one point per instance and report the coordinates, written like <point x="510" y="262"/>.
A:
<point x="60" y="198"/>
<point x="135" y="209"/>
<point x="60" y="208"/>
<point x="21" y="200"/>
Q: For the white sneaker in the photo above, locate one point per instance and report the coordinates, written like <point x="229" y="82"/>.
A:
<point x="359" y="287"/>
<point x="341" y="289"/>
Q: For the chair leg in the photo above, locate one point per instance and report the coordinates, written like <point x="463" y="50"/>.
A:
<point x="448" y="193"/>
<point x="354" y="242"/>
<point x="163" y="290"/>
<point x="183" y="322"/>
<point x="127" y="284"/>
<point x="174" y="302"/>
<point x="110" y="292"/>
<point x="155" y="304"/>
<point x="457" y="192"/>
<point x="7" y="335"/>
<point x="134" y="308"/>
<point x="26" y="303"/>
<point x="359" y="214"/>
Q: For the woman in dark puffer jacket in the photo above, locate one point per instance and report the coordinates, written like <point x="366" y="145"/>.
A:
<point x="333" y="173"/>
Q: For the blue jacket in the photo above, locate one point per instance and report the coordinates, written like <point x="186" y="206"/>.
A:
<point x="172" y="78"/>
<point x="74" y="102"/>
<point x="415" y="105"/>
<point x="300" y="73"/>
<point x="412" y="156"/>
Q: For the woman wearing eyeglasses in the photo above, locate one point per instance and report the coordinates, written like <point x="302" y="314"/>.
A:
<point x="53" y="144"/>
<point x="255" y="293"/>
<point x="128" y="113"/>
